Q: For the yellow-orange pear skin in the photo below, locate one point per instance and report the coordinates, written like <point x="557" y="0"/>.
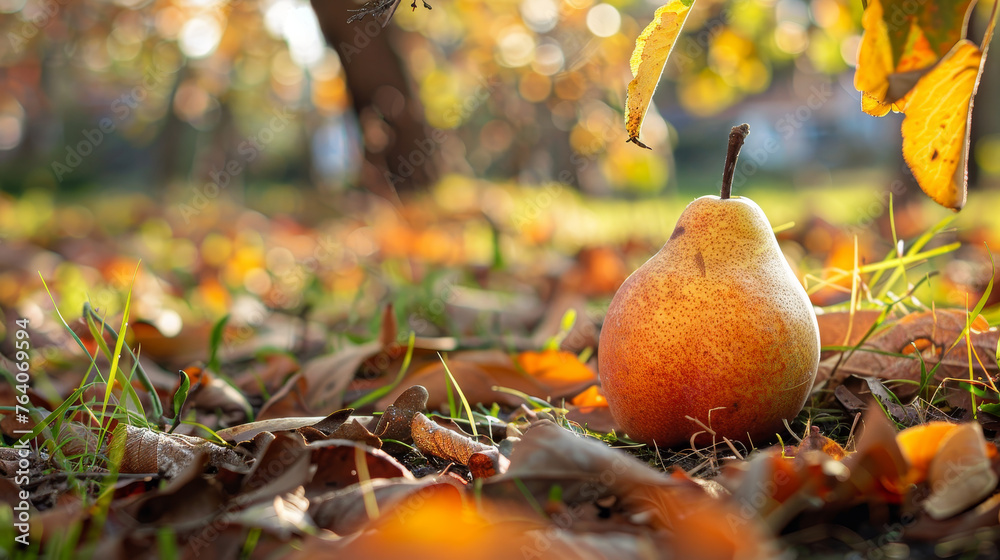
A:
<point x="715" y="327"/>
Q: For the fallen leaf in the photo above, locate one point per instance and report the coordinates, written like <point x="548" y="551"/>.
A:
<point x="816" y="441"/>
<point x="556" y="369"/>
<point x="336" y="465"/>
<point x="652" y="48"/>
<point x="960" y="475"/>
<point x="938" y="333"/>
<point x="877" y="467"/>
<point x="431" y="438"/>
<point x="283" y="466"/>
<point x="148" y="451"/>
<point x="843" y="328"/>
<point x="920" y="444"/>
<point x="322" y="381"/>
<point x="591" y="397"/>
<point x="396" y="420"/>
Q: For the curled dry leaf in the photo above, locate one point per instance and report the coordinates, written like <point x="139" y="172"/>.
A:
<point x="246" y="432"/>
<point x="447" y="444"/>
<point x="147" y="451"/>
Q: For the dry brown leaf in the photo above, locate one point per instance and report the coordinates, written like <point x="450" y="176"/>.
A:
<point x="935" y="333"/>
<point x="877" y="467"/>
<point x="148" y="451"/>
<point x="843" y="328"/>
<point x="396" y="420"/>
<point x="283" y="467"/>
<point x="246" y="432"/>
<point x="447" y="444"/>
<point x="336" y="463"/>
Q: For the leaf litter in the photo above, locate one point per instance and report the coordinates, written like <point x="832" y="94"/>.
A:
<point x="269" y="459"/>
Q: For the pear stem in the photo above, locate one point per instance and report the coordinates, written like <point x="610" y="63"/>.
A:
<point x="736" y="138"/>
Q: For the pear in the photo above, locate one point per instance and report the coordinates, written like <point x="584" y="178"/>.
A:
<point x="714" y="331"/>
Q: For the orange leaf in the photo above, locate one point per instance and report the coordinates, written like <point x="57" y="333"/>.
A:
<point x="592" y="397"/>
<point x="555" y="368"/>
<point x="920" y="444"/>
<point x="936" y="131"/>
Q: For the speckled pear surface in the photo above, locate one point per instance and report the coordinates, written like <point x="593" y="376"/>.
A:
<point x="715" y="323"/>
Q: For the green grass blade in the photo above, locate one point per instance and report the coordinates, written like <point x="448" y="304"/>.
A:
<point x="461" y="395"/>
<point x="118" y="346"/>
<point x="214" y="343"/>
<point x="180" y="397"/>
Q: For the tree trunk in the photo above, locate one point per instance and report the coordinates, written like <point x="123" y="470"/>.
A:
<point x="390" y="115"/>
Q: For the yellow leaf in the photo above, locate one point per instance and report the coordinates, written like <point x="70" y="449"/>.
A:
<point x="936" y="131"/>
<point x="874" y="61"/>
<point x="650" y="54"/>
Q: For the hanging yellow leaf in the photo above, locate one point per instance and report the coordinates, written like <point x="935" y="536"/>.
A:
<point x="896" y="52"/>
<point x="650" y="54"/>
<point x="936" y="131"/>
<point x="874" y="61"/>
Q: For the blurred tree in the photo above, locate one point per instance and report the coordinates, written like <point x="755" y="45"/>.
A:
<point x="391" y="116"/>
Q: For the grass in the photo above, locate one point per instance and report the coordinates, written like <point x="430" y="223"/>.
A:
<point x="873" y="286"/>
